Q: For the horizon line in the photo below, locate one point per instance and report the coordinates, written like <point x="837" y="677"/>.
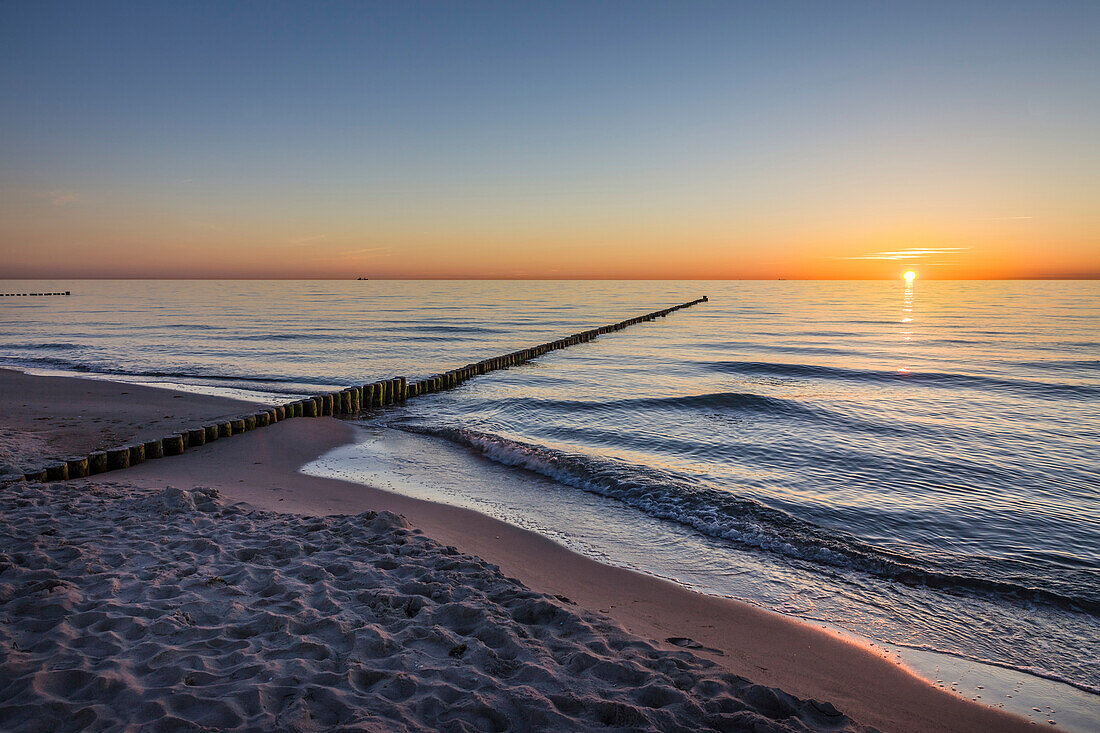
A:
<point x="1088" y="276"/>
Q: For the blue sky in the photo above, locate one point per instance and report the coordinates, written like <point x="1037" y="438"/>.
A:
<point x="717" y="126"/>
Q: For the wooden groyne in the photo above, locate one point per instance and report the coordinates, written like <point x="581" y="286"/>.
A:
<point x="20" y="295"/>
<point x="347" y="401"/>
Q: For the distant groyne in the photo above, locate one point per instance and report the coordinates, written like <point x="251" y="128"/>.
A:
<point x="21" y="295"/>
<point x="347" y="401"/>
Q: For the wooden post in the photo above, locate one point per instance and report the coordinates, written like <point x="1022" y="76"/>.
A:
<point x="173" y="444"/>
<point x="77" y="467"/>
<point x="118" y="458"/>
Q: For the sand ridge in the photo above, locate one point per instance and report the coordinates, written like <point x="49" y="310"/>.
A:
<point x="173" y="609"/>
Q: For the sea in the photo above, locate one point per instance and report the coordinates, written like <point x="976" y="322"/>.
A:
<point x="915" y="466"/>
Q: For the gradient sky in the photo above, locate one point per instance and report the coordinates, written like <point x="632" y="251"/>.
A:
<point x="629" y="139"/>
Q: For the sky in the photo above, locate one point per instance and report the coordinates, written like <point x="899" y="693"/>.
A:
<point x="677" y="140"/>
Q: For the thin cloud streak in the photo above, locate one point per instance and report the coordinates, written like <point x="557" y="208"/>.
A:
<point x="912" y="253"/>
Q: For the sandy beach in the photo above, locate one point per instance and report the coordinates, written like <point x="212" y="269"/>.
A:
<point x="222" y="588"/>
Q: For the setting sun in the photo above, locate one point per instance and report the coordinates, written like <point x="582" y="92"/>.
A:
<point x="909" y="276"/>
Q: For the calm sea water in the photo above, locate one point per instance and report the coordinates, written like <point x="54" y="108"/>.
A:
<point x="919" y="465"/>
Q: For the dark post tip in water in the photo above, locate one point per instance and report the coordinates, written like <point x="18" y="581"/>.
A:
<point x="261" y="419"/>
<point x="35" y="475"/>
<point x="211" y="433"/>
<point x="137" y="454"/>
<point x="196" y="437"/>
<point x="225" y="430"/>
<point x="310" y="408"/>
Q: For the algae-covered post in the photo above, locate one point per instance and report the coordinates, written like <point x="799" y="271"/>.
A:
<point x="78" y="467"/>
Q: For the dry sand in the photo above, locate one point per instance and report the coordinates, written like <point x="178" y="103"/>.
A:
<point x="172" y="609"/>
<point x="167" y="555"/>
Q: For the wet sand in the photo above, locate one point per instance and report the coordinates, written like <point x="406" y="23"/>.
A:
<point x="46" y="419"/>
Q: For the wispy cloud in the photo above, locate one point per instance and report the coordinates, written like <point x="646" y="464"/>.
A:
<point x="63" y="197"/>
<point x="911" y="253"/>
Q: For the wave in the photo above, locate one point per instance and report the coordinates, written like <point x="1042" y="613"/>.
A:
<point x="745" y="522"/>
<point x="449" y="329"/>
<point x="315" y="337"/>
<point x="936" y="379"/>
<point x="273" y="384"/>
<point x="1030" y="670"/>
<point x="1062" y="364"/>
<point x="715" y="400"/>
<point x="44" y="346"/>
<point x="719" y="404"/>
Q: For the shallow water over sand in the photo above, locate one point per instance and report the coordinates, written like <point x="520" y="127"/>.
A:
<point x="917" y="465"/>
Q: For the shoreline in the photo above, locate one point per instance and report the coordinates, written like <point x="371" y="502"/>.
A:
<point x="261" y="469"/>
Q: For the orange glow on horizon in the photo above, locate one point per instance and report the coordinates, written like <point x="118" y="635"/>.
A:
<point x="103" y="238"/>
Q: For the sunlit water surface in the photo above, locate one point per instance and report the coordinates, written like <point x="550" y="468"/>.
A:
<point x="917" y="465"/>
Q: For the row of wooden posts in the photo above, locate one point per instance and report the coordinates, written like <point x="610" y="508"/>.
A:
<point x="347" y="401"/>
<point x="13" y="295"/>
